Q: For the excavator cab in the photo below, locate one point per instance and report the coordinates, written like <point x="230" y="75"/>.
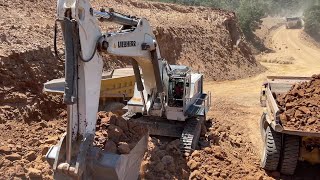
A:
<point x="176" y="92"/>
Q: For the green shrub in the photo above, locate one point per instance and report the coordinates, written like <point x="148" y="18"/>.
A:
<point x="312" y="21"/>
<point x="250" y="13"/>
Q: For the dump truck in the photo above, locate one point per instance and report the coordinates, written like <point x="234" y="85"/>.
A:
<point x="293" y="23"/>
<point x="117" y="87"/>
<point x="284" y="146"/>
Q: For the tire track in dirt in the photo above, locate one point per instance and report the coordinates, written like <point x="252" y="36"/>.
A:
<point x="304" y="54"/>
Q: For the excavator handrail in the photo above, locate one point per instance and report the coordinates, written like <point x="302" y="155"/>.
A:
<point x="115" y="17"/>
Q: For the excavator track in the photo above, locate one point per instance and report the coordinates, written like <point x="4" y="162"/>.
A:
<point x="190" y="135"/>
<point x="188" y="131"/>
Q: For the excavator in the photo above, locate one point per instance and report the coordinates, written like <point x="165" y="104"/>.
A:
<point x="169" y="99"/>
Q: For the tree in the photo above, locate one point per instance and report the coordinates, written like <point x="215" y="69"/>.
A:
<point x="312" y="21"/>
<point x="250" y="13"/>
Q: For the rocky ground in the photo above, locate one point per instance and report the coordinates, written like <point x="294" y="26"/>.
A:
<point x="300" y="106"/>
<point x="208" y="40"/>
<point x="114" y="134"/>
<point x="224" y="152"/>
<point x="23" y="147"/>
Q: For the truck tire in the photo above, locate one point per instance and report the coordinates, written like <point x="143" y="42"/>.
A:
<point x="263" y="103"/>
<point x="271" y="150"/>
<point x="291" y="147"/>
<point x="263" y="125"/>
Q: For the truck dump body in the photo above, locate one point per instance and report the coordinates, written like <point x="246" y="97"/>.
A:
<point x="273" y="89"/>
<point x="287" y="133"/>
<point x="116" y="83"/>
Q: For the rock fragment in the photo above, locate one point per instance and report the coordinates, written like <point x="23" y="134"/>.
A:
<point x="124" y="148"/>
<point x="31" y="156"/>
<point x="34" y="173"/>
<point x="13" y="157"/>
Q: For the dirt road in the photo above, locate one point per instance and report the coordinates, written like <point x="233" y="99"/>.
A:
<point x="241" y="97"/>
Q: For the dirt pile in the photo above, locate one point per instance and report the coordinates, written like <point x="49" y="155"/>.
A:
<point x="301" y="106"/>
<point x="22" y="76"/>
<point x="23" y="148"/>
<point x="114" y="134"/>
<point x="164" y="160"/>
<point x="220" y="156"/>
<point x="26" y="61"/>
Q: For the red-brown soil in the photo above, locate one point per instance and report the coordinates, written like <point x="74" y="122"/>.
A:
<point x="116" y="135"/>
<point x="208" y="40"/>
<point x="301" y="106"/>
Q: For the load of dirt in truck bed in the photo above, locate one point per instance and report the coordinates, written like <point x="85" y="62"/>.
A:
<point x="301" y="106"/>
<point x="114" y="134"/>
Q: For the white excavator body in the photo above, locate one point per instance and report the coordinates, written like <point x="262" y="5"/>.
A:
<point x="164" y="94"/>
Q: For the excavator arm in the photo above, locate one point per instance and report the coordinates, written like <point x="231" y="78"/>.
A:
<point x="138" y="42"/>
<point x="83" y="69"/>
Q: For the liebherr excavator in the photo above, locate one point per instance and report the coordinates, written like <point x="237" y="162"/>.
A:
<point x="167" y="98"/>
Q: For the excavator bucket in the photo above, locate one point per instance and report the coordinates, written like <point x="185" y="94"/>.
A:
<point x="113" y="166"/>
<point x="104" y="165"/>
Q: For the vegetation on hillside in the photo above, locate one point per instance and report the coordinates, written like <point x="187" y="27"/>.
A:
<point x="250" y="12"/>
<point x="312" y="21"/>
